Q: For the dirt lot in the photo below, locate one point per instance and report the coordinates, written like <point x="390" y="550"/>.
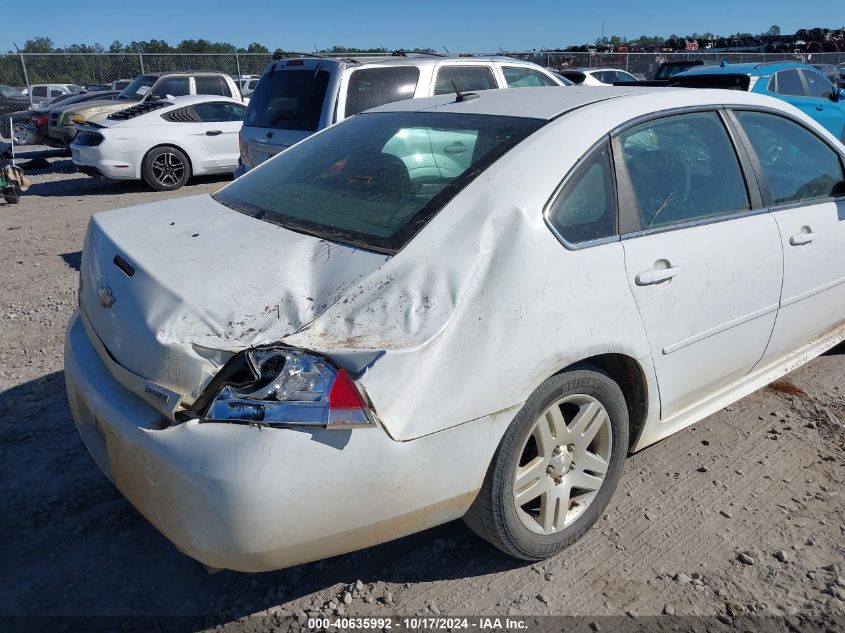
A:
<point x="761" y="480"/>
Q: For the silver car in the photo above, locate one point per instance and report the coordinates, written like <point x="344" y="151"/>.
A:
<point x="296" y="97"/>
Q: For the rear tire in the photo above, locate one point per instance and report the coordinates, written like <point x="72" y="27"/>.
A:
<point x="556" y="467"/>
<point x="166" y="168"/>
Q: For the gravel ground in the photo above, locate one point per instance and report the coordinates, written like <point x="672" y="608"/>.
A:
<point x="739" y="515"/>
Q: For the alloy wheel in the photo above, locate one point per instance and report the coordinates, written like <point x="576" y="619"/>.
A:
<point x="562" y="463"/>
<point x="168" y="169"/>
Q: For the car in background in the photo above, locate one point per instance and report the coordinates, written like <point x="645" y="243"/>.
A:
<point x="828" y="70"/>
<point x="162" y="142"/>
<point x="596" y="76"/>
<point x="39" y="116"/>
<point x="13" y="117"/>
<point x="798" y="84"/>
<point x="248" y="86"/>
<point x="296" y="97"/>
<point x="45" y="92"/>
<point x="120" y="84"/>
<point x="556" y="73"/>
<point x="98" y="87"/>
<point x="447" y="308"/>
<point x="147" y="87"/>
<point x="669" y="69"/>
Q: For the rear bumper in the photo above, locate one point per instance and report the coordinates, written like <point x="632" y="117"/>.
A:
<point x="250" y="499"/>
<point x="62" y="134"/>
<point x="96" y="162"/>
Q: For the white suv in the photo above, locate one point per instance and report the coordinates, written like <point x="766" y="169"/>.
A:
<point x="296" y="97"/>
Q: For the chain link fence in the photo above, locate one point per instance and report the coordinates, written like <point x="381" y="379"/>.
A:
<point x="101" y="69"/>
<point x="105" y="68"/>
<point x="647" y="63"/>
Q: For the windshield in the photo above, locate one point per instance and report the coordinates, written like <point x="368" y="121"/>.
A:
<point x="376" y="179"/>
<point x="139" y="87"/>
<point x="288" y="99"/>
<point x="8" y="91"/>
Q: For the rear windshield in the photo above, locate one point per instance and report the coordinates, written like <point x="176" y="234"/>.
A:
<point x="288" y="100"/>
<point x="671" y="69"/>
<point x="376" y="179"/>
<point x="574" y="76"/>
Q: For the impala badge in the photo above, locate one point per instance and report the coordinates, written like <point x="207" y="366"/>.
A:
<point x="106" y="297"/>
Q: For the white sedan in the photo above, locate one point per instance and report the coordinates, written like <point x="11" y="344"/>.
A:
<point x="596" y="76"/>
<point x="163" y="143"/>
<point x="340" y="348"/>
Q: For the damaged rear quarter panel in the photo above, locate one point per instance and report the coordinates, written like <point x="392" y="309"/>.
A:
<point x="485" y="296"/>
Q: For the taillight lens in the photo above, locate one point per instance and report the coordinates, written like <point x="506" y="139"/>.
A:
<point x="42" y="119"/>
<point x="292" y="389"/>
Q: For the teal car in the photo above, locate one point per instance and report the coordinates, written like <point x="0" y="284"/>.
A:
<point x="798" y="84"/>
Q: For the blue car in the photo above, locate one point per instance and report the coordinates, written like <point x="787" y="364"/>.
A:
<point x="798" y="84"/>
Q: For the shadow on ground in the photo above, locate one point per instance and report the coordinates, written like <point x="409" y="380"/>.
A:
<point x="79" y="548"/>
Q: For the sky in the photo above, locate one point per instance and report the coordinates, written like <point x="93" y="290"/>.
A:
<point x="458" y="25"/>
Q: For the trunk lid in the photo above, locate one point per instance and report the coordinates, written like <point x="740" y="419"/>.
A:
<point x="172" y="289"/>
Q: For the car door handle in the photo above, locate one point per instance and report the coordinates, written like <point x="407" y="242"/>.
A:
<point x="214" y="132"/>
<point x="656" y="275"/>
<point x="799" y="239"/>
<point x="820" y="108"/>
<point x="455" y="148"/>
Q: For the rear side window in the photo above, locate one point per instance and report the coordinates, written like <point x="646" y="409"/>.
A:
<point x="683" y="168"/>
<point x="219" y="112"/>
<point x="517" y="77"/>
<point x="788" y="83"/>
<point x="466" y="77"/>
<point x="288" y="99"/>
<point x="212" y="86"/>
<point x="797" y="165"/>
<point x="817" y="85"/>
<point x="172" y="86"/>
<point x="371" y="87"/>
<point x="375" y="179"/>
<point x="585" y="209"/>
<point x="39" y="91"/>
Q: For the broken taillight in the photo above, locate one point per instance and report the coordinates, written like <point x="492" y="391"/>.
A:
<point x="292" y="389"/>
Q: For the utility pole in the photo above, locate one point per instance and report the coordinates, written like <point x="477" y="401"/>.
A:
<point x="25" y="75"/>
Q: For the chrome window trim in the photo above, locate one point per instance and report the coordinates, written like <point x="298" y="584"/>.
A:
<point x="695" y="223"/>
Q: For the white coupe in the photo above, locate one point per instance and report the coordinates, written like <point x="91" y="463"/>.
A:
<point x="162" y="142"/>
<point x="462" y="306"/>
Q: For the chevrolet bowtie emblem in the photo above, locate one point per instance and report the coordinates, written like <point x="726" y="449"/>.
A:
<point x="106" y="297"/>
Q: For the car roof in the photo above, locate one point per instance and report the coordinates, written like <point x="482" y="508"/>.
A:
<point x="548" y="103"/>
<point x="410" y="59"/>
<point x="192" y="99"/>
<point x="178" y="72"/>
<point x="533" y="103"/>
<point x="764" y="68"/>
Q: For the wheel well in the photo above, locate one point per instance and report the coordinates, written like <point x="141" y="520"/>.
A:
<point x="187" y="155"/>
<point x="626" y="373"/>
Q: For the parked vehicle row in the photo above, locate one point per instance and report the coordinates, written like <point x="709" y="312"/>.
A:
<point x="469" y="305"/>
<point x="165" y="138"/>
<point x="297" y="97"/>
